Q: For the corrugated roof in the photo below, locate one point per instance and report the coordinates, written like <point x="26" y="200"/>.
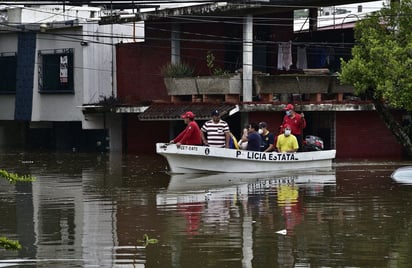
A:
<point x="173" y="111"/>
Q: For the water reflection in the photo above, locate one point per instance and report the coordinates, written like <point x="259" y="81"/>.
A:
<point x="94" y="210"/>
<point x="234" y="204"/>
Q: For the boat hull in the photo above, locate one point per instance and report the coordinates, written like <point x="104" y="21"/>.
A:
<point x="403" y="175"/>
<point x="202" y="159"/>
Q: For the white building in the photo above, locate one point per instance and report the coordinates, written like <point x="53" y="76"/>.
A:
<point x="54" y="61"/>
<point x="337" y="16"/>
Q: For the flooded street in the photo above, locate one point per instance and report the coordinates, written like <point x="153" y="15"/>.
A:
<point x="92" y="210"/>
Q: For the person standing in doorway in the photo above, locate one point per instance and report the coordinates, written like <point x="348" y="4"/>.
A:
<point x="216" y="132"/>
<point x="296" y="122"/>
<point x="191" y="134"/>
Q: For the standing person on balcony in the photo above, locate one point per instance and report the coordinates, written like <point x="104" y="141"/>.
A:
<point x="268" y="139"/>
<point x="216" y="132"/>
<point x="296" y="122"/>
<point x="191" y="134"/>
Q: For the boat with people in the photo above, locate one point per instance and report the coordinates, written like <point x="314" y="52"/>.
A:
<point x="204" y="159"/>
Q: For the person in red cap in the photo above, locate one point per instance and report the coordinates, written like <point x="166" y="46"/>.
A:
<point x="287" y="142"/>
<point x="296" y="122"/>
<point x="191" y="134"/>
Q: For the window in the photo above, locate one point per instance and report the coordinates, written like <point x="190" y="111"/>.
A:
<point x="8" y="70"/>
<point x="56" y="71"/>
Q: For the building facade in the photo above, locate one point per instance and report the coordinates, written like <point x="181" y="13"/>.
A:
<point x="246" y="42"/>
<point x="53" y="64"/>
<point x="90" y="79"/>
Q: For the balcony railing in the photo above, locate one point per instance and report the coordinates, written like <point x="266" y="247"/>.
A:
<point x="316" y="85"/>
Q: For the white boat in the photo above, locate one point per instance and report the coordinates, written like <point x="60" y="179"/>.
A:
<point x="202" y="159"/>
<point x="403" y="175"/>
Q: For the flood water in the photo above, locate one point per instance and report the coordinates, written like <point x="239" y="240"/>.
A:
<point x="88" y="210"/>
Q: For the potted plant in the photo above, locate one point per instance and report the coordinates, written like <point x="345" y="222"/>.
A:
<point x="179" y="79"/>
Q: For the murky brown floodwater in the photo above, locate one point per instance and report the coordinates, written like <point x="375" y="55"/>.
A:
<point x="89" y="210"/>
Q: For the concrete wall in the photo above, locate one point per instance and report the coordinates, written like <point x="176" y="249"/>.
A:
<point x="12" y="134"/>
<point x="59" y="107"/>
<point x="8" y="44"/>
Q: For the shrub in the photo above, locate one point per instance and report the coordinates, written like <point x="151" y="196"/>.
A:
<point x="210" y="62"/>
<point x="177" y="70"/>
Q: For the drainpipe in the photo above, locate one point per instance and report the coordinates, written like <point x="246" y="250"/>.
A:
<point x="174" y="59"/>
<point x="247" y="58"/>
<point x="175" y="44"/>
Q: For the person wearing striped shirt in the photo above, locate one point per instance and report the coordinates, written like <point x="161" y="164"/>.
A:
<point x="216" y="132"/>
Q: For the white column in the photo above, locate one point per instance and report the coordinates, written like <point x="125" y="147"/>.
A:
<point x="175" y="43"/>
<point x="247" y="58"/>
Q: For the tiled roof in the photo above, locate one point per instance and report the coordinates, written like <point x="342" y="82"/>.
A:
<point x="173" y="111"/>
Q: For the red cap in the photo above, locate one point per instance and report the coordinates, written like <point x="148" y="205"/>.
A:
<point x="289" y="107"/>
<point x="286" y="126"/>
<point x="188" y="114"/>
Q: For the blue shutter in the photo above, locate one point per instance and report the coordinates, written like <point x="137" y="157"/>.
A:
<point x="25" y="72"/>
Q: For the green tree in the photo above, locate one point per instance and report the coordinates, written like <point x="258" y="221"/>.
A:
<point x="381" y="64"/>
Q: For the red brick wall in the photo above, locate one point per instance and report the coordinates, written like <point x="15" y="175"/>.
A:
<point x="138" y="64"/>
<point x="198" y="39"/>
<point x="273" y="120"/>
<point x="364" y="135"/>
<point x="358" y="134"/>
<point x="142" y="136"/>
<point x="138" y="68"/>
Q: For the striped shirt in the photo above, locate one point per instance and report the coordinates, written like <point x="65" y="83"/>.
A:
<point x="216" y="133"/>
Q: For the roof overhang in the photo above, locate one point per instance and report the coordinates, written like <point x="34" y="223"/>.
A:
<point x="173" y="111"/>
<point x="229" y="8"/>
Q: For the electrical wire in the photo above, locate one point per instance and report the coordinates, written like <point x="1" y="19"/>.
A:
<point x="166" y="39"/>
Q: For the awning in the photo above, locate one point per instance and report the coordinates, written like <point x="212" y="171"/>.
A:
<point x="173" y="111"/>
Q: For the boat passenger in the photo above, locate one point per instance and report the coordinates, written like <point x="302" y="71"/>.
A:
<point x="191" y="134"/>
<point x="233" y="144"/>
<point x="296" y="121"/>
<point x="287" y="142"/>
<point x="215" y="132"/>
<point x="243" y="139"/>
<point x="253" y="138"/>
<point x="268" y="139"/>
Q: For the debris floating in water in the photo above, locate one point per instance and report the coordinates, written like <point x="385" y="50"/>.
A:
<point x="282" y="232"/>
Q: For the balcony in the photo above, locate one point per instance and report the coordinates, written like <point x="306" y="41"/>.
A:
<point x="317" y="85"/>
<point x="205" y="88"/>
